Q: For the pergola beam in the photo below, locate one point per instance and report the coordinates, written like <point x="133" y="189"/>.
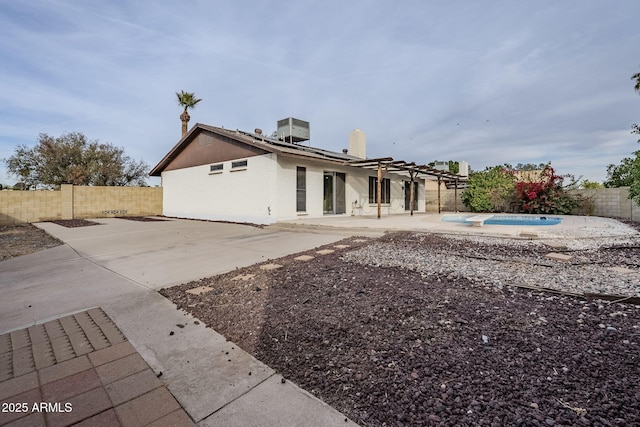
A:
<point x="410" y="168"/>
<point x="402" y="166"/>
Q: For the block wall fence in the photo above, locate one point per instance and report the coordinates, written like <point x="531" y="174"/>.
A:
<point x="609" y="202"/>
<point x="75" y="202"/>
<point x="447" y="201"/>
<point x="606" y="202"/>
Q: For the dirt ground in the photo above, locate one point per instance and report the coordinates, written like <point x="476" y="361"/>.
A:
<point x="24" y="239"/>
<point x="394" y="347"/>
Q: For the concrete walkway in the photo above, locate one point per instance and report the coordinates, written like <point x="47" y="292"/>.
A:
<point x="117" y="266"/>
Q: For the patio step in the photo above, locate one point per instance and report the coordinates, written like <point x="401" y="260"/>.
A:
<point x="328" y="229"/>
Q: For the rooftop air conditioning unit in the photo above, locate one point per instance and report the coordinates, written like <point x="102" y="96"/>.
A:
<point x="293" y="130"/>
<point x="441" y="166"/>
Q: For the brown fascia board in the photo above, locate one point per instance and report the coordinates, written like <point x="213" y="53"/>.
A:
<point x="157" y="169"/>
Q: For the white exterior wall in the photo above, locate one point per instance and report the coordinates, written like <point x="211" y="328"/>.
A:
<point x="357" y="190"/>
<point x="265" y="191"/>
<point x="237" y="196"/>
<point x="286" y="188"/>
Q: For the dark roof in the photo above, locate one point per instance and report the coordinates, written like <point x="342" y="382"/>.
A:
<point x="263" y="142"/>
<point x="272" y="145"/>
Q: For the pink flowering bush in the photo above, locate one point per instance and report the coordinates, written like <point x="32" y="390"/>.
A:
<point x="544" y="196"/>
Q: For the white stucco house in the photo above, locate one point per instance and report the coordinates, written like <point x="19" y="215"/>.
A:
<point x="214" y="173"/>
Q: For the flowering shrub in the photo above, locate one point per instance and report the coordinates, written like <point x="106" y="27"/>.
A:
<point x="544" y="196"/>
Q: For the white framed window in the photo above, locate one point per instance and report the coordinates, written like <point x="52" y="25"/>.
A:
<point x="239" y="165"/>
<point x="217" y="168"/>
<point x="301" y="189"/>
<point x="385" y="192"/>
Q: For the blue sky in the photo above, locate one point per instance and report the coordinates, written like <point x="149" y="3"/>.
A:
<point x="489" y="82"/>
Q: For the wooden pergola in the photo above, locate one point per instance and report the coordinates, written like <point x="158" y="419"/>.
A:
<point x="387" y="164"/>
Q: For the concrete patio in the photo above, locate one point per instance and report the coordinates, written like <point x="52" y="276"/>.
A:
<point x="571" y="227"/>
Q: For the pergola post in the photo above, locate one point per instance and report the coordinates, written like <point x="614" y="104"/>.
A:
<point x="411" y="197"/>
<point x="401" y="167"/>
<point x="439" y="181"/>
<point x="455" y="199"/>
<point x="379" y="189"/>
<point x="412" y="174"/>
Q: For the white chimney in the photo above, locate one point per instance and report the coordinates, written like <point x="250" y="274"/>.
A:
<point x="358" y="144"/>
<point x="463" y="168"/>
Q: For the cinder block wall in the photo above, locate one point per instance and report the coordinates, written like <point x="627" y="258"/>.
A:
<point x="447" y="201"/>
<point x="78" y="202"/>
<point x="101" y="202"/>
<point x="29" y="206"/>
<point x="606" y="202"/>
<point x="609" y="202"/>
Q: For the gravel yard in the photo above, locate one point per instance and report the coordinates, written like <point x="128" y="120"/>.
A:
<point x="24" y="239"/>
<point x="425" y="329"/>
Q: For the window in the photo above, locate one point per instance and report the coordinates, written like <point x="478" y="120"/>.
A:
<point x="217" y="168"/>
<point x="239" y="165"/>
<point x="385" y="190"/>
<point x="301" y="189"/>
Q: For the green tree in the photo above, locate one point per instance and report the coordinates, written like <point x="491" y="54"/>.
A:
<point x="490" y="190"/>
<point x="623" y="174"/>
<point x="73" y="159"/>
<point x="586" y="184"/>
<point x="187" y="100"/>
<point x="627" y="173"/>
<point x="526" y="166"/>
<point x="454" y="167"/>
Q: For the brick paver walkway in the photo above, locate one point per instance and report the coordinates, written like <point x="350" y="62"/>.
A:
<point x="80" y="370"/>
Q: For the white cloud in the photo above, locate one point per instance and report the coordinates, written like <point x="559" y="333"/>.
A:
<point x="488" y="82"/>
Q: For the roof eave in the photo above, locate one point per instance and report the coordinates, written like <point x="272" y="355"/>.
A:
<point x="159" y="168"/>
<point x="184" y="141"/>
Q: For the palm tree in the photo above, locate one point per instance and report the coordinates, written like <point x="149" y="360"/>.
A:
<point x="186" y="100"/>
<point x="636" y="77"/>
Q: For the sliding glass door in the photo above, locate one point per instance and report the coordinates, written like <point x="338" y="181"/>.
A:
<point x="334" y="195"/>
